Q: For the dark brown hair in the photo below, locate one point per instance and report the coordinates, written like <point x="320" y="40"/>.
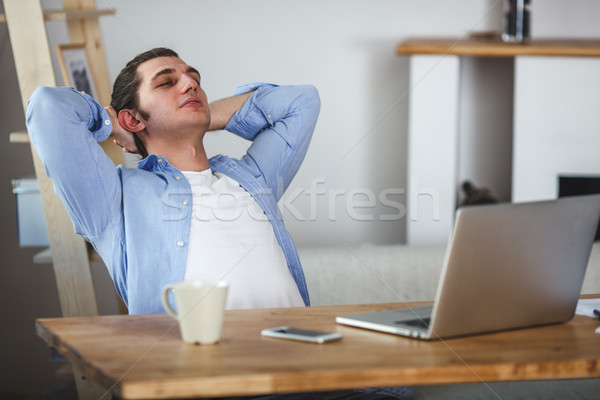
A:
<point x="125" y="89"/>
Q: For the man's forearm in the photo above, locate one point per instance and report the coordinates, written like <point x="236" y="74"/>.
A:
<point x="222" y="110"/>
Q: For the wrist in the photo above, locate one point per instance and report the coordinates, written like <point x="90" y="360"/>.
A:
<point x="217" y="120"/>
<point x="222" y="110"/>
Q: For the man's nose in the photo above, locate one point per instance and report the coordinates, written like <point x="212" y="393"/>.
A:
<point x="189" y="84"/>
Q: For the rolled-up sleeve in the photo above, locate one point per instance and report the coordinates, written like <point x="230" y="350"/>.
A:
<point x="280" y="121"/>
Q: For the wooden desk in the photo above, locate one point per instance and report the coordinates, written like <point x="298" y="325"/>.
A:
<point x="143" y="357"/>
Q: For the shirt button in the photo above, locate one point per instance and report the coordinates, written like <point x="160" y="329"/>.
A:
<point x="107" y="122"/>
<point x="177" y="178"/>
<point x="180" y="243"/>
<point x="185" y="202"/>
<point x="159" y="161"/>
<point x="269" y="116"/>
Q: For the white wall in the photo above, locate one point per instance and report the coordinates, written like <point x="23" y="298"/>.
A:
<point x="346" y="49"/>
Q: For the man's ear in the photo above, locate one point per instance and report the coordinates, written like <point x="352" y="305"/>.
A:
<point x="128" y="121"/>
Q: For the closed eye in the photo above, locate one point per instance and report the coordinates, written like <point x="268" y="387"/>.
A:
<point x="164" y="84"/>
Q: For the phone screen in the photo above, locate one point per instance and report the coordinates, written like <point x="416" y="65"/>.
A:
<point x="301" y="332"/>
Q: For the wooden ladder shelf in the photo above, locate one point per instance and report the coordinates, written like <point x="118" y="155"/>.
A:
<point x="32" y="55"/>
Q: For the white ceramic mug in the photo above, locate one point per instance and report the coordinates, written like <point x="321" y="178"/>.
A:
<point x="200" y="309"/>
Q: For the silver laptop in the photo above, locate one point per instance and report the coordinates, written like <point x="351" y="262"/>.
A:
<point x="507" y="266"/>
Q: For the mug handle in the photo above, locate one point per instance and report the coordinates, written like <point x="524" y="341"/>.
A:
<point x="165" y="301"/>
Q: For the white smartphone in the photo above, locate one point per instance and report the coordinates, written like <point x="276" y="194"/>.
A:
<point x="286" y="332"/>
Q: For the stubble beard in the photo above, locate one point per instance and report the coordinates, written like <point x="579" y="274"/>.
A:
<point x="204" y="128"/>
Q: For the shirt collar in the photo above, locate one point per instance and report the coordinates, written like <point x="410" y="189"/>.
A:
<point x="153" y="163"/>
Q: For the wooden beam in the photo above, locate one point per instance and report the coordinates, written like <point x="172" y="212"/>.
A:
<point x="69" y="15"/>
<point x="33" y="63"/>
<point x="19" y="137"/>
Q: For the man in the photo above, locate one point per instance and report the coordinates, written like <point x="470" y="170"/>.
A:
<point x="180" y="215"/>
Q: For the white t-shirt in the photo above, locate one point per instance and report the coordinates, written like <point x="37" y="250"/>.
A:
<point x="232" y="240"/>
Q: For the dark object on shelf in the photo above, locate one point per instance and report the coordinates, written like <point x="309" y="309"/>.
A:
<point x="517" y="20"/>
<point x="477" y="195"/>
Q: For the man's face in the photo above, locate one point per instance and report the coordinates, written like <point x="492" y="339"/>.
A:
<point x="171" y="100"/>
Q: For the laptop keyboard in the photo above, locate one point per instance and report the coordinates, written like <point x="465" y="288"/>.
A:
<point x="418" y="323"/>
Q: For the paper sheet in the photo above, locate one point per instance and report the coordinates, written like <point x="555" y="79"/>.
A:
<point x="586" y="307"/>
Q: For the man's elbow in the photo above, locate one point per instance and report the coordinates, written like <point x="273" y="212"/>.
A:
<point x="44" y="103"/>
<point x="310" y="101"/>
<point x="40" y="107"/>
<point x="311" y="93"/>
<point x="42" y="98"/>
<point x="51" y="106"/>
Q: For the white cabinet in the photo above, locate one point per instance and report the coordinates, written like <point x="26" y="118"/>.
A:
<point x="556" y="123"/>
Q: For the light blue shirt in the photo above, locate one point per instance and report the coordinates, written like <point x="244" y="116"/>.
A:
<point x="138" y="220"/>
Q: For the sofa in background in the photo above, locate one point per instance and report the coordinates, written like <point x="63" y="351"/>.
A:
<point x="393" y="273"/>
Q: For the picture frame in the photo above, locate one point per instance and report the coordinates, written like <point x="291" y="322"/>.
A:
<point x="75" y="67"/>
